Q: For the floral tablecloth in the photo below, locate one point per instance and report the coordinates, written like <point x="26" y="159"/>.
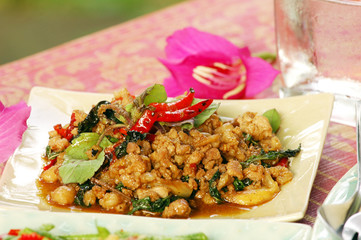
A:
<point x="127" y="55"/>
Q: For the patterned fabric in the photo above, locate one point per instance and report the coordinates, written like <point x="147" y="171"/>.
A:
<point x="126" y="56"/>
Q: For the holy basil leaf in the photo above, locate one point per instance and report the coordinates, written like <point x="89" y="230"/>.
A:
<point x="134" y="235"/>
<point x="271" y="155"/>
<point x="79" y="170"/>
<point x="84" y="142"/>
<point x="79" y="197"/>
<point x="203" y="116"/>
<point x="91" y="119"/>
<point x="213" y="191"/>
<point x="110" y="114"/>
<point x="155" y="93"/>
<point x="134" y="111"/>
<point x="274" y="119"/>
<point x="120" y="186"/>
<point x="132" y="136"/>
<point x="50" y="154"/>
<point x="249" y="140"/>
<point x="103" y="232"/>
<point x="239" y="185"/>
<point x="43" y="231"/>
<point x="112" y="139"/>
<point x="146" y="204"/>
<point x="185" y="178"/>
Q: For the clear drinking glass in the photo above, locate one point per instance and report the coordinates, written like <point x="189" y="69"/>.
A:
<point x="319" y="50"/>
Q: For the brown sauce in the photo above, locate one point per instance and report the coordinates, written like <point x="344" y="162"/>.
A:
<point x="202" y="211"/>
<point x="217" y="210"/>
<point x="46" y="188"/>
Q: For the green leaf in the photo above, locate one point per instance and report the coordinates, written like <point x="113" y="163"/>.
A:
<point x="110" y="114"/>
<point x="134" y="235"/>
<point x="84" y="142"/>
<point x="271" y="155"/>
<point x="155" y="93"/>
<point x="249" y="139"/>
<point x="213" y="191"/>
<point x="274" y="119"/>
<point x="50" y="154"/>
<point x="79" y="197"/>
<point x="103" y="232"/>
<point x="132" y="136"/>
<point x="120" y="186"/>
<point x="203" y="116"/>
<point x="91" y="119"/>
<point x="239" y="185"/>
<point x="112" y="139"/>
<point x="146" y="204"/>
<point x="129" y="107"/>
<point x="187" y="126"/>
<point x="79" y="170"/>
<point x="47" y="227"/>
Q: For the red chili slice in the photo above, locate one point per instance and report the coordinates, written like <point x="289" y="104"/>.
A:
<point x="181" y="103"/>
<point x="120" y="130"/>
<point x="66" y="132"/>
<point x="283" y="162"/>
<point x="14" y="232"/>
<point x="149" y="117"/>
<point x="30" y="236"/>
<point x="193" y="167"/>
<point x="185" y="113"/>
<point x="145" y="122"/>
<point x="50" y="164"/>
<point x="60" y="130"/>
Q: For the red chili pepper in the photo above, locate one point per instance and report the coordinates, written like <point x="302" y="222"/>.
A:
<point x="181" y="103"/>
<point x="185" y="113"/>
<point x="111" y="149"/>
<point x="66" y="132"/>
<point x="149" y="117"/>
<point x="14" y="232"/>
<point x="60" y="130"/>
<point x="120" y="130"/>
<point x="283" y="162"/>
<point x="30" y="236"/>
<point x="193" y="167"/>
<point x="50" y="164"/>
<point x="145" y="122"/>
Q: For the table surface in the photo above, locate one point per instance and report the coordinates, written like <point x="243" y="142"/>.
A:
<point x="126" y="56"/>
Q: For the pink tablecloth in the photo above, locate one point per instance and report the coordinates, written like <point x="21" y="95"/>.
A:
<point x="126" y="56"/>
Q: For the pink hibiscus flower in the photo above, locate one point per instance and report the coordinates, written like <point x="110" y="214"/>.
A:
<point x="12" y="126"/>
<point x="213" y="67"/>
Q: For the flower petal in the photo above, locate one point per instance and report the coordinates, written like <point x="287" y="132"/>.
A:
<point x="260" y="75"/>
<point x="191" y="67"/>
<point x="2" y="107"/>
<point x="190" y="41"/>
<point x="172" y="87"/>
<point x="244" y="52"/>
<point x="12" y="126"/>
<point x="182" y="78"/>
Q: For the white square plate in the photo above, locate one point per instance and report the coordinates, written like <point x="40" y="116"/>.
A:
<point x="85" y="223"/>
<point x="304" y="120"/>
